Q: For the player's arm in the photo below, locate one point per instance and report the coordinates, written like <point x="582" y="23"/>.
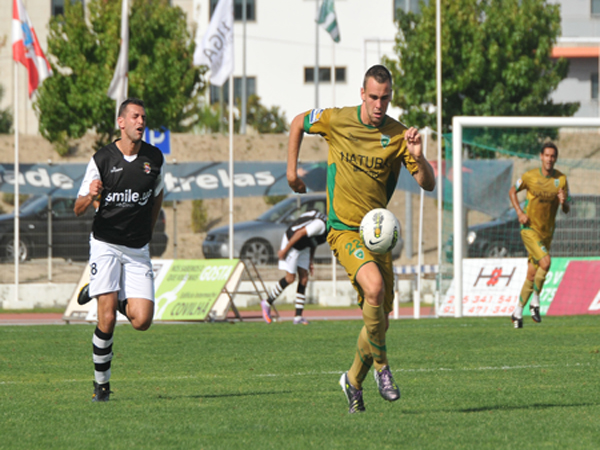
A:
<point x="311" y="265"/>
<point x="563" y="200"/>
<point x="512" y="194"/>
<point x="156" y="208"/>
<point x="159" y="187"/>
<point x="294" y="142"/>
<point x="299" y="234"/>
<point x="90" y="190"/>
<point x="424" y="175"/>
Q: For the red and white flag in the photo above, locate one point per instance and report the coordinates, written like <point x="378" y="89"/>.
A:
<point x="26" y="48"/>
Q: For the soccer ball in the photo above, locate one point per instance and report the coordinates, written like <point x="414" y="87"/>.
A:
<point x="379" y="230"/>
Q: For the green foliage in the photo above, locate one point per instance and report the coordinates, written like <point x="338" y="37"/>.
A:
<point x="470" y="383"/>
<point x="495" y="62"/>
<point x="6" y="118"/>
<point x="199" y="216"/>
<point x="265" y="120"/>
<point x="259" y="117"/>
<point x="274" y="199"/>
<point x="84" y="55"/>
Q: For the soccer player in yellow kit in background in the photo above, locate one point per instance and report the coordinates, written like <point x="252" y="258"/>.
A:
<point x="367" y="149"/>
<point x="547" y="188"/>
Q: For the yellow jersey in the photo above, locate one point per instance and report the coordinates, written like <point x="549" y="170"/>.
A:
<point x="542" y="202"/>
<point x="363" y="164"/>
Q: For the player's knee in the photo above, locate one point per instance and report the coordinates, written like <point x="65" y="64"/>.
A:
<point x="141" y="325"/>
<point x="290" y="277"/>
<point x="374" y="293"/>
<point x="545" y="262"/>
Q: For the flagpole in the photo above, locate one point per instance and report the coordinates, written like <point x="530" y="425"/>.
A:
<point x="244" y="93"/>
<point x="316" y="71"/>
<point x="231" y="166"/>
<point x="16" y="181"/>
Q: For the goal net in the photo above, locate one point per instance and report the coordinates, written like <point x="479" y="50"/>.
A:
<point x="484" y="261"/>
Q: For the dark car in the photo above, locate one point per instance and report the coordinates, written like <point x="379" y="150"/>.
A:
<point x="70" y="234"/>
<point x="575" y="234"/>
<point x="260" y="239"/>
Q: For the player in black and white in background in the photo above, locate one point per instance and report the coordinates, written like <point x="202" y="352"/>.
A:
<point x="124" y="182"/>
<point x="298" y="246"/>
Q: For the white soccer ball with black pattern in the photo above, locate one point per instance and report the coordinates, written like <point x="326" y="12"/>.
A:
<point x="379" y="230"/>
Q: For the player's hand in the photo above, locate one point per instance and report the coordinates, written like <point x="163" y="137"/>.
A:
<point x="297" y="184"/>
<point x="562" y="196"/>
<point x="96" y="188"/>
<point x="413" y="142"/>
<point x="523" y="218"/>
<point x="281" y="254"/>
<point x="311" y="268"/>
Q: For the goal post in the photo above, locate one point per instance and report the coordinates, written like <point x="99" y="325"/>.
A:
<point x="458" y="124"/>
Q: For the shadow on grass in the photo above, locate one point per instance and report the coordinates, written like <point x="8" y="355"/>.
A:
<point x="248" y="394"/>
<point x="535" y="406"/>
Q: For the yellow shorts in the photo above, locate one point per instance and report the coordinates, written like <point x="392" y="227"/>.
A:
<point x="352" y="254"/>
<point x="536" y="247"/>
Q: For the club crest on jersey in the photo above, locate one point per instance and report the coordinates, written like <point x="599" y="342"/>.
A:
<point x="518" y="184"/>
<point x="147" y="168"/>
<point x="556" y="182"/>
<point x="315" y="115"/>
<point x="385" y="140"/>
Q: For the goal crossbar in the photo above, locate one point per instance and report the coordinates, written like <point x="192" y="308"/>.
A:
<point x="460" y="122"/>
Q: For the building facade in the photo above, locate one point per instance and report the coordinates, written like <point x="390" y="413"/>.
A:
<point x="280" y="46"/>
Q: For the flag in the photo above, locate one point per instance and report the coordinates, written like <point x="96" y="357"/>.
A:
<point x="328" y="19"/>
<point x="216" y="48"/>
<point x="118" y="85"/>
<point x="26" y="48"/>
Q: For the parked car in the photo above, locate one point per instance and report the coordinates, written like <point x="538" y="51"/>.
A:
<point x="260" y="239"/>
<point x="70" y="234"/>
<point x="575" y="234"/>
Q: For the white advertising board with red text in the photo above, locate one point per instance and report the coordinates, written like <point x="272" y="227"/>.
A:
<point x="491" y="287"/>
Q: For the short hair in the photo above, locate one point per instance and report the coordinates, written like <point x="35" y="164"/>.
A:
<point x="549" y="145"/>
<point x="129" y="101"/>
<point x="380" y="73"/>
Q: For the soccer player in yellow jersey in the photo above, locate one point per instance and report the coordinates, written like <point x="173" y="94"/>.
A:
<point x="367" y="149"/>
<point x="547" y="188"/>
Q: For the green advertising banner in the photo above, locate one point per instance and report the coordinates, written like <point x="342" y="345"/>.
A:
<point x="187" y="289"/>
<point x="557" y="270"/>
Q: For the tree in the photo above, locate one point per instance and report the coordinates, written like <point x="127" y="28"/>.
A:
<point x="84" y="47"/>
<point x="259" y="117"/>
<point x="496" y="61"/>
<point x="5" y="117"/>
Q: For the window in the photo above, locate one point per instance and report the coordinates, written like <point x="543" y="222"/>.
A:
<point x="595" y="6"/>
<point x="237" y="90"/>
<point x="340" y="74"/>
<point x="594" y="83"/>
<point x="57" y="7"/>
<point x="325" y="75"/>
<point x="411" y="6"/>
<point x="237" y="9"/>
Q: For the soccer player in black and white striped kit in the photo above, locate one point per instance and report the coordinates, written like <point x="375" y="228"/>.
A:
<point x="298" y="246"/>
<point x="124" y="182"/>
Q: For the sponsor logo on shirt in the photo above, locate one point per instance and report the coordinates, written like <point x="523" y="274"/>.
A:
<point x="385" y="140"/>
<point x="128" y="198"/>
<point x="116" y="169"/>
<point x="315" y="115"/>
<point x="519" y="183"/>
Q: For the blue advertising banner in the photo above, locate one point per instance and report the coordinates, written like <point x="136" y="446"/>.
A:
<point x="485" y="183"/>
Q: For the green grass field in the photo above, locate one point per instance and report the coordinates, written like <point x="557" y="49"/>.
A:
<point x="466" y="383"/>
